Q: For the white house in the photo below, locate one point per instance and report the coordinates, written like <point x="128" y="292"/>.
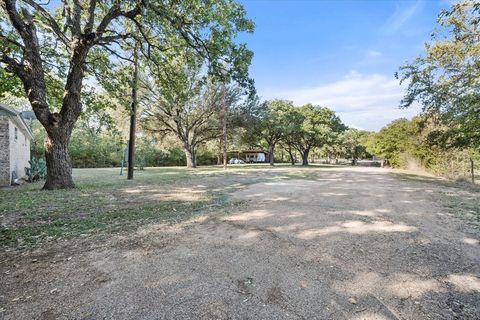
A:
<point x="250" y="156"/>
<point x="254" y="156"/>
<point x="15" y="138"/>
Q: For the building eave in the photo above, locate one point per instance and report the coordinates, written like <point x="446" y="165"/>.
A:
<point x="18" y="119"/>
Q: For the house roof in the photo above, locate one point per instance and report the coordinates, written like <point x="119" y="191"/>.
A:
<point x="17" y="118"/>
<point x="247" y="151"/>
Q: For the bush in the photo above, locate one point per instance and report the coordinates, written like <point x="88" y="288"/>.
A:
<point x="37" y="170"/>
<point x="206" y="157"/>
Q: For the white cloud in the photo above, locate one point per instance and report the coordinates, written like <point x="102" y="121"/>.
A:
<point x="401" y="15"/>
<point x="373" y="53"/>
<point x="362" y="101"/>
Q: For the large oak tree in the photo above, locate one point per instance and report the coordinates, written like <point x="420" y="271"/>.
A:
<point x="182" y="99"/>
<point x="272" y="125"/>
<point x="318" y="126"/>
<point x="71" y="40"/>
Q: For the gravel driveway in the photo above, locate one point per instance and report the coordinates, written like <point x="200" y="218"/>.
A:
<point x="348" y="244"/>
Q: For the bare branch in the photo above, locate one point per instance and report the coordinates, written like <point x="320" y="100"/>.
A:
<point x="67" y="14"/>
<point x="116" y="54"/>
<point x="113" y="38"/>
<point x="76" y="18"/>
<point x="9" y="6"/>
<point x="112" y="14"/>
<point x="50" y="20"/>
<point x="91" y="16"/>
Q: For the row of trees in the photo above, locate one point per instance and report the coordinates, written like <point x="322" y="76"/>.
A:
<point x="407" y="144"/>
<point x="187" y="115"/>
<point x="295" y="129"/>
<point x="446" y="82"/>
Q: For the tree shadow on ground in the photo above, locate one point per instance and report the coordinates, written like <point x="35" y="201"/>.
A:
<point x="338" y="245"/>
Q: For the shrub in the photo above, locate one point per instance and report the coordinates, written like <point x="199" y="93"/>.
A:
<point x="37" y="170"/>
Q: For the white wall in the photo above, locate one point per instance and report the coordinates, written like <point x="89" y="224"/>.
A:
<point x="19" y="150"/>
<point x="4" y="151"/>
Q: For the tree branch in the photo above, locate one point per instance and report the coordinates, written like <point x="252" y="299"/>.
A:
<point x="91" y="17"/>
<point x="15" y="43"/>
<point x="14" y="66"/>
<point x="77" y="15"/>
<point x="112" y="14"/>
<point x="50" y="20"/>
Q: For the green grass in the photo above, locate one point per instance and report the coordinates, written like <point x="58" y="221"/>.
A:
<point x="103" y="201"/>
<point x="461" y="198"/>
<point x="462" y="203"/>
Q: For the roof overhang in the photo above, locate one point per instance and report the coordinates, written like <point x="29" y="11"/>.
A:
<point x="247" y="151"/>
<point x="17" y="118"/>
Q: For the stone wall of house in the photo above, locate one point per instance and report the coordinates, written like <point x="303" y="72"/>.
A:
<point x="4" y="151"/>
<point x="19" y="150"/>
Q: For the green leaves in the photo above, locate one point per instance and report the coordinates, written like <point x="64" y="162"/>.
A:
<point x="37" y="169"/>
<point x="446" y="80"/>
<point x="302" y="128"/>
<point x="318" y="126"/>
<point x="10" y="83"/>
<point x="207" y="27"/>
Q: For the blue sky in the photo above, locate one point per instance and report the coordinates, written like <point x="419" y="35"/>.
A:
<point x="340" y="54"/>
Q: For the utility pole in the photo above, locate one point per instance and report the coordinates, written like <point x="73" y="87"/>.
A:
<point x="133" y="116"/>
<point x="472" y="170"/>
<point x="224" y="118"/>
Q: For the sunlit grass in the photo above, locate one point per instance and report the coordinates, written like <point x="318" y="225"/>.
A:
<point x="105" y="201"/>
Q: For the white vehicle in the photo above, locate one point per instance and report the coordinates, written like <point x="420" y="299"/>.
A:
<point x="236" y="161"/>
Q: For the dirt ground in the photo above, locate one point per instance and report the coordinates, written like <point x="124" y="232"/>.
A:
<point x="349" y="243"/>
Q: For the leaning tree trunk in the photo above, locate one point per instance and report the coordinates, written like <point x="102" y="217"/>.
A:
<point x="271" y="149"/>
<point x="292" y="158"/>
<point x="59" y="165"/>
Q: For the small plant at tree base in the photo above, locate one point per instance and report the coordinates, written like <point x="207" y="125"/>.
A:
<point x="37" y="170"/>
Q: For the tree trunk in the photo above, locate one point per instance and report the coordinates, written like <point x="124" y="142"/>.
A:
<point x="292" y="158"/>
<point x="59" y="165"/>
<point x="271" y="149"/>
<point x="220" y="149"/>
<point x="305" y="157"/>
<point x="190" y="155"/>
<point x="59" y="126"/>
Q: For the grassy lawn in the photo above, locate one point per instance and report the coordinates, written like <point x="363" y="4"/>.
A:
<point x="103" y="200"/>
<point x="106" y="202"/>
<point x="460" y="198"/>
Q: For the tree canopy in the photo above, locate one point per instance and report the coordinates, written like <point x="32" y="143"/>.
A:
<point x="78" y="39"/>
<point x="446" y="79"/>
